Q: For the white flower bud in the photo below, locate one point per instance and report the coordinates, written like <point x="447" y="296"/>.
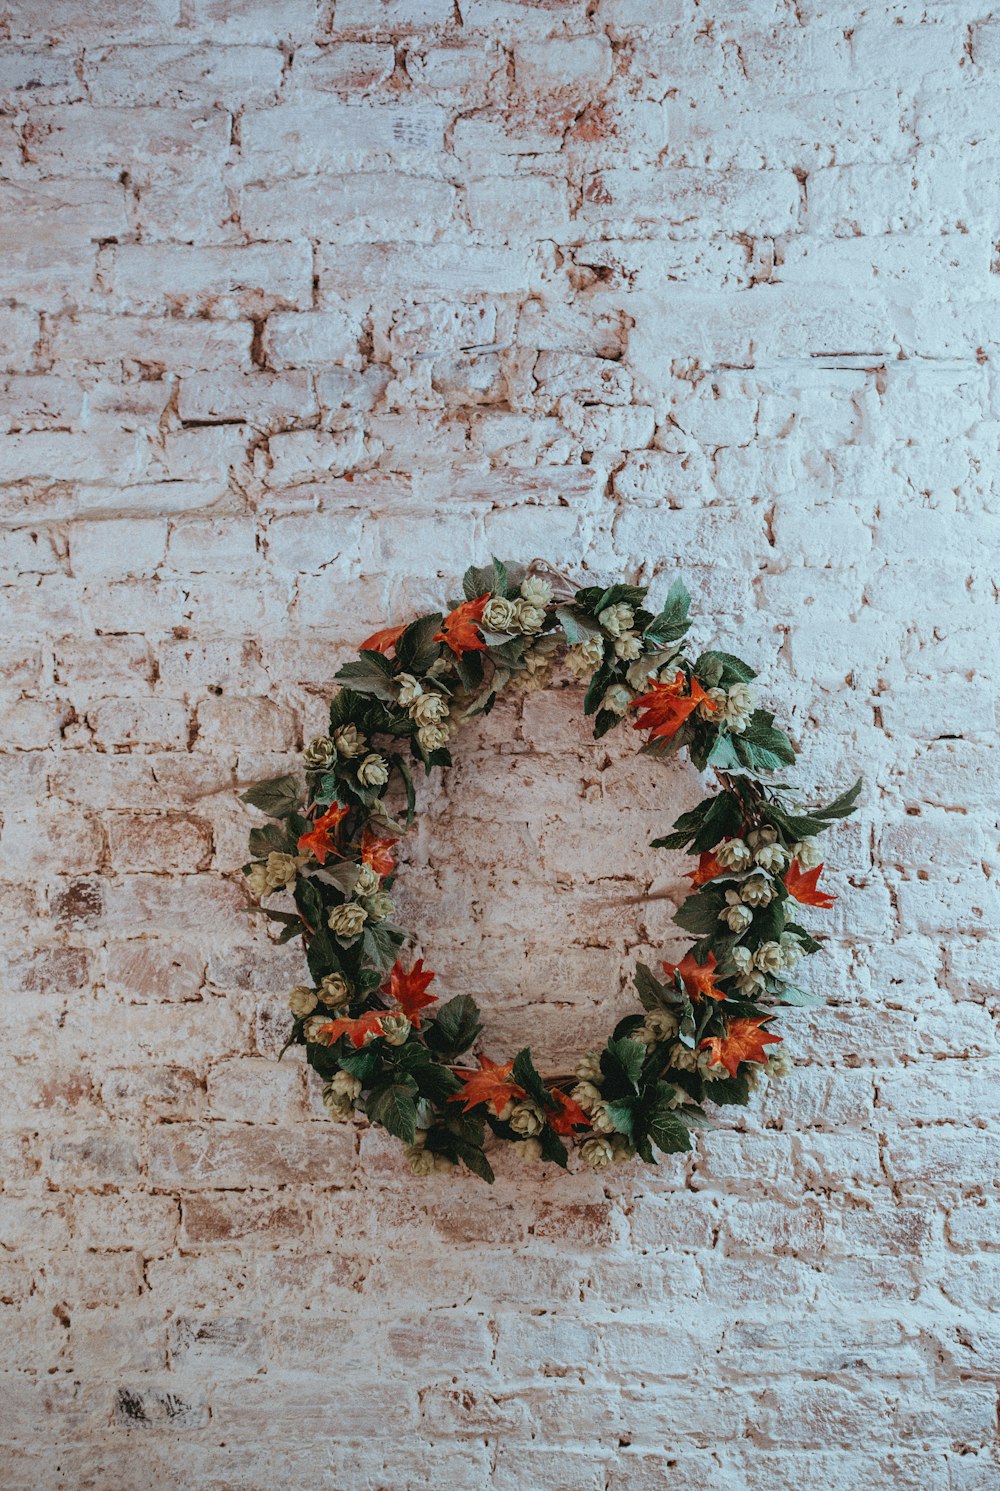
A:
<point x="628" y="647"/>
<point x="410" y="689"/>
<point x="711" y="707"/>
<point x="617" y="699"/>
<point x="791" y="949"/>
<point x="600" y="1121"/>
<point x="347" y="920"/>
<point x="419" y="1161"/>
<point x="662" y="1023"/>
<point x="733" y="854"/>
<point x="311" y="1029"/>
<point x="638" y="674"/>
<point x="769" y="957"/>
<point x="585" y="657"/>
<point x="750" y="983"/>
<point x="335" y="991"/>
<point x="736" y="916"/>
<point x="587" y="1095"/>
<point x="527" y="1119"/>
<point x="302" y="1001"/>
<point x="433" y="737"/>
<point x="345" y="1084"/>
<point x="683" y="1058"/>
<point x="349" y="741"/>
<point x="380" y="905"/>
<point x="320" y="753"/>
<point x="712" y="1071"/>
<point x="757" y="891"/>
<point x="779" y="1065"/>
<point x="373" y="771"/>
<point x="589" y="1067"/>
<point x="536" y="590"/>
<point x="368" y="881"/>
<point x="281" y="871"/>
<point x="771" y="857"/>
<point x="529" y="1151"/>
<point x="395" y="1029"/>
<point x="617" y="619"/>
<point x="808" y="854"/>
<point x="739" y="707"/>
<point x="623" y="1149"/>
<point x="257" y="882"/>
<point x="742" y="959"/>
<point x="528" y="617"/>
<point x="597" y="1152"/>
<point x="766" y="834"/>
<point x="429" y="709"/>
<point x="339" y="1107"/>
<point x="498" y="615"/>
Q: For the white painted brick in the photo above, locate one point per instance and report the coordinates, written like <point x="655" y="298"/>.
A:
<point x="261" y="399"/>
<point x="349" y="209"/>
<point x="298" y="139"/>
<point x="311" y="340"/>
<point x="212" y="281"/>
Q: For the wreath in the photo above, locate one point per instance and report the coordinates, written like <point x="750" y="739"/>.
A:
<point x="369" y="1021"/>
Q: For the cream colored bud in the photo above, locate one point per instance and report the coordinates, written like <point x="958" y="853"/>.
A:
<point x="739" y="707"/>
<point x="311" y="1030"/>
<point x="623" y="1148"/>
<point x="585" y="657"/>
<point x="587" y="1095"/>
<point x="736" y="916"/>
<point x="419" y="1161"/>
<point x="750" y="983"/>
<point x="410" y="689"/>
<point x="734" y="854"/>
<point x="589" y="1067"/>
<point x="628" y="647"/>
<point x="346" y="1085"/>
<point x="395" y="1029"/>
<point x="429" y="709"/>
<point x="662" y="1023"/>
<point x="380" y="905"/>
<point x="527" y="1119"/>
<point x="338" y="1106"/>
<point x="334" y="990"/>
<point x="742" y="959"/>
<point x="771" y="857"/>
<point x="617" y="699"/>
<point x="529" y="1151"/>
<point x="597" y="1152"/>
<point x="349" y="741"/>
<point x="258" y="883"/>
<point x="712" y="1071"/>
<point x="302" y="1001"/>
<point x="347" y="920"/>
<point x="808" y="853"/>
<point x="282" y="871"/>
<point x="639" y="673"/>
<point x="758" y="837"/>
<point x="528" y="617"/>
<point x="712" y="706"/>
<point x="757" y="891"/>
<point x="600" y="1120"/>
<point x="779" y="1065"/>
<point x="769" y="957"/>
<point x="320" y="753"/>
<point x="368" y="881"/>
<point x="432" y="737"/>
<point x="373" y="771"/>
<point x="791" y="949"/>
<point x="617" y="619"/>
<point x="536" y="590"/>
<point x="498" y="615"/>
<point x="684" y="1059"/>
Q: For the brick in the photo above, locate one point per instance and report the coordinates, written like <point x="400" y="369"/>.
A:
<point x="298" y="139"/>
<point x="216" y="281"/>
<point x="261" y="399"/>
<point x="349" y="209"/>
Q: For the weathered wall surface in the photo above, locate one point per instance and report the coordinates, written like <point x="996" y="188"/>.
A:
<point x="303" y="306"/>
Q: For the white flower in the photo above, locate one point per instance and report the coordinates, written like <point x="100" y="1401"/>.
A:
<point x="373" y="771"/>
<point x="628" y="647"/>
<point x="334" y="990"/>
<point x="808" y="854"/>
<point x="711" y="1070"/>
<point x="683" y="1059"/>
<point x="419" y="1161"/>
<point x="347" y="920"/>
<point x="339" y="1106"/>
<point x="395" y="1029"/>
<point x="349" y="741"/>
<point x="739" y="707"/>
<point x="736" y="916"/>
<point x="582" y="659"/>
<point x="791" y="949"/>
<point x="712" y="705"/>
<point x="527" y="1119"/>
<point x="600" y="1121"/>
<point x="257" y="882"/>
<point x="529" y="1151"/>
<point x="771" y="857"/>
<point x="536" y="590"/>
<point x="368" y="881"/>
<point x="410" y="689"/>
<point x="535" y="673"/>
<point x="617" y="619"/>
<point x="766" y="834"/>
<point x="380" y="905"/>
<point x="589" y="1067"/>
<point x="433" y="737"/>
<point x="733" y="854"/>
<point x="623" y="1148"/>
<point x="750" y="983"/>
<point x="587" y="1095"/>
<point x="347" y="1085"/>
<point x="597" y="1152"/>
<point x="311" y="1029"/>
<point x="281" y="871"/>
<point x="302" y="1001"/>
<point x="528" y="617"/>
<point x="498" y="615"/>
<point x="662" y="1023"/>
<point x="742" y="959"/>
<point x="757" y="891"/>
<point x="769" y="957"/>
<point x="320" y="753"/>
<point x="617" y="699"/>
<point x="779" y="1065"/>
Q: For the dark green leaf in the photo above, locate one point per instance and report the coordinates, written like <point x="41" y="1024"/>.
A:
<point x="269" y="837"/>
<point x="394" y="1108"/>
<point x="279" y="797"/>
<point x="622" y="1061"/>
<point x="416" y="649"/>
<point x="622" y="1113"/>
<point x="672" y="623"/>
<point x="578" y="624"/>
<point x="455" y="1026"/>
<point x="436" y="1083"/>
<point x="731" y="1090"/>
<point x="370" y="674"/>
<point x="474" y="1159"/>
<point x="632" y="595"/>
<point x="700" y="912"/>
<point x="606" y="720"/>
<point x="525" y="1076"/>
<point x="596" y="690"/>
<point x="362" y="1064"/>
<point x="808" y="941"/>
<point x="411" y="793"/>
<point x="666" y="1130"/>
<point x="722" y="821"/>
<point x="553" y="1149"/>
<point x="381" y="943"/>
<point x="477" y="581"/>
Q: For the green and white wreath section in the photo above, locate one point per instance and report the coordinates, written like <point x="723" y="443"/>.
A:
<point x="324" y="870"/>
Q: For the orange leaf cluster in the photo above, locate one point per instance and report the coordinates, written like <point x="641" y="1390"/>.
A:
<point x="801" y="886"/>
<point x="570" y="1115"/>
<point x="708" y="868"/>
<point x="409" y="989"/>
<point x="321" y="838"/>
<point x="491" y="1085"/>
<point x="383" y="641"/>
<point x="745" y="1040"/>
<point x="459" y="628"/>
<point x="359" y="1031"/>
<point x="666" y="706"/>
<point x="697" y="978"/>
<point x="377" y="852"/>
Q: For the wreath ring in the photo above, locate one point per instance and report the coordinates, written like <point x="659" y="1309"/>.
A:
<point x="370" y="1026"/>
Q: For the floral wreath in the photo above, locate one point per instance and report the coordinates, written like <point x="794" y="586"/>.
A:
<point x="370" y="1025"/>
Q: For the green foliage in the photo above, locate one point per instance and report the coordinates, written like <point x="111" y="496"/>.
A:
<point x="525" y="1076"/>
<point x="455" y="1026"/>
<point x="416" y="649"/>
<point x="393" y="1107"/>
<point x="673" y="621"/>
<point x="279" y="797"/>
<point x="371" y="674"/>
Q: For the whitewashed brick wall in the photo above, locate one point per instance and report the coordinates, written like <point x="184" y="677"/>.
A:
<point x="303" y="306"/>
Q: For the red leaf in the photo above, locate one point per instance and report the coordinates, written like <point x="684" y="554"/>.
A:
<point x="383" y="641"/>
<point x="408" y="989"/>
<point x="667" y="707"/>
<point x="708" y="868"/>
<point x="376" y="852"/>
<point x="801" y="886"/>
<point x="744" y="1040"/>
<point x="697" y="978"/>
<point x="570" y="1116"/>
<point x="491" y="1084"/>
<point x="458" y="629"/>
<point x="359" y="1031"/>
<point x="321" y="838"/>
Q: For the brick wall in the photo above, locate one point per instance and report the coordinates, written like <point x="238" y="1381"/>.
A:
<point x="303" y="306"/>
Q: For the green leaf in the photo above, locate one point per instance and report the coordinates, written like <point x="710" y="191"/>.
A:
<point x="578" y="624"/>
<point x="477" y="582"/>
<point x="666" y="1130"/>
<point x="270" y="837"/>
<point x="842" y="806"/>
<point x="416" y="649"/>
<point x="323" y="1059"/>
<point x="436" y="1082"/>
<point x="789" y="994"/>
<point x="606" y="720"/>
<point x="722" y="669"/>
<point x="672" y="623"/>
<point x="455" y="1026"/>
<point x="808" y="941"/>
<point x="632" y="595"/>
<point x="723" y="755"/>
<point x="362" y="1064"/>
<point x="470" y="670"/>
<point x="411" y="792"/>
<point x="525" y="1076"/>
<point x="553" y="1149"/>
<point x="700" y="913"/>
<point x="474" y="1159"/>
<point x="732" y="1090"/>
<point x="769" y="921"/>
<point x="722" y="821"/>
<point x="279" y="797"/>
<point x="598" y="684"/>
<point x="622" y="1114"/>
<point x="393" y="1107"/>
<point x="370" y="674"/>
<point x="622" y="1061"/>
<point x="380" y="944"/>
<point x="653" y="994"/>
<point x="762" y="745"/>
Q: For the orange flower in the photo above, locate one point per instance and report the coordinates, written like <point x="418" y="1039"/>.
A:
<point x="570" y="1116"/>
<point x="320" y="840"/>
<point x="744" y="1040"/>
<point x="698" y="978"/>
<point x="376" y="852"/>
<point x="360" y="1031"/>
<point x="667" y="707"/>
<point x="383" y="641"/>
<point x="491" y="1084"/>
<point x="409" y="990"/>
<point x="801" y="886"/>
<point x="708" y="868"/>
<point x="459" y="627"/>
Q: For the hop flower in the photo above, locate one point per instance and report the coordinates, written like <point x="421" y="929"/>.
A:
<point x="395" y="1029"/>
<point x="311" y="1029"/>
<point x="419" y="1161"/>
<point x="433" y="737"/>
<point x="335" y="991"/>
<point x="769" y="957"/>
<point x="757" y="891"/>
<point x="380" y="905"/>
<point x="587" y="1095"/>
<point x="739" y="707"/>
<point x="638" y="674"/>
<point x="623" y="1149"/>
<point x="600" y="1121"/>
<point x="662" y="1023"/>
<point x="529" y="1151"/>
<point x="742" y="959"/>
<point x="347" y="920"/>
<point x="617" y="619"/>
<point x="373" y="771"/>
<point x="499" y="615"/>
<point x="410" y="689"/>
<point x="711" y="706"/>
<point x="302" y="1001"/>
<point x="808" y="854"/>
<point x="536" y="590"/>
<point x="791" y="949"/>
<point x="368" y="881"/>
<point x="339" y="1107"/>
<point x="779" y="1065"/>
<point x="429" y="709"/>
<point x="349" y="741"/>
<point x="628" y="647"/>
<point x="589" y="1067"/>
<point x="683" y="1059"/>
<point x="527" y="1119"/>
<point x="750" y="982"/>
<point x="597" y="1152"/>
<point x="617" y="698"/>
<point x="347" y="1085"/>
<point x="528" y="617"/>
<point x="758" y="837"/>
<point x="582" y="659"/>
<point x="713" y="1071"/>
<point x="320" y="753"/>
<point x="281" y="871"/>
<point x="734" y="854"/>
<point x="771" y="857"/>
<point x="736" y="916"/>
<point x="257" y="882"/>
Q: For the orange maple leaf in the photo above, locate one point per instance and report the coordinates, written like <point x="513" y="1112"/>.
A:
<point x="458" y="629"/>
<point x="570" y="1116"/>
<point x="409" y="989"/>
<point x="360" y="1031"/>
<point x="801" y="886"/>
<point x="708" y="868"/>
<point x="667" y="707"/>
<point x="376" y="852"/>
<point x="745" y="1040"/>
<point x="383" y="641"/>
<point x="491" y="1084"/>
<point x="698" y="978"/>
<point x="321" y="838"/>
